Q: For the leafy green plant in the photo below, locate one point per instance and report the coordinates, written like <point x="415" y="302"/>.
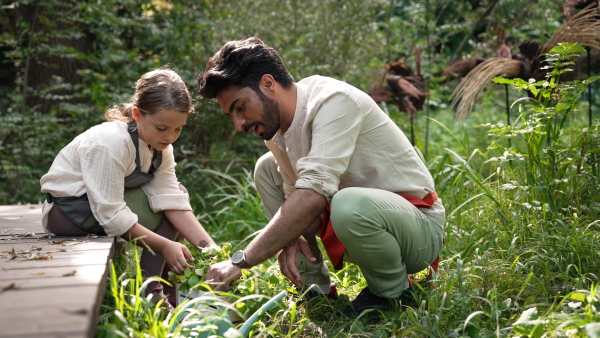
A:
<point x="247" y="294"/>
<point x="204" y="258"/>
<point x="551" y="146"/>
<point x="135" y="315"/>
<point x="576" y="315"/>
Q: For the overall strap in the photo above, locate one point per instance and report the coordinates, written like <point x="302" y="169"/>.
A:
<point x="156" y="156"/>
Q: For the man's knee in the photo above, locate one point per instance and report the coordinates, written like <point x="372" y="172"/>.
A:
<point x="347" y="200"/>
<point x="265" y="169"/>
<point x="269" y="184"/>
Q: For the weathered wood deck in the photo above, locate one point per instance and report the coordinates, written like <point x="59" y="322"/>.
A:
<point x="49" y="287"/>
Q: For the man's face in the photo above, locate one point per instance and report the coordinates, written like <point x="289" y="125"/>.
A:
<point x="251" y="111"/>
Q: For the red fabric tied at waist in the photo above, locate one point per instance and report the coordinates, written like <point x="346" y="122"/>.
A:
<point x="335" y="248"/>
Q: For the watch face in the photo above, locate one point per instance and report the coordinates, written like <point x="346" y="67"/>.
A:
<point x="238" y="257"/>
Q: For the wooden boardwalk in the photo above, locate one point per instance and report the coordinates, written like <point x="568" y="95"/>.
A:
<point x="49" y="287"/>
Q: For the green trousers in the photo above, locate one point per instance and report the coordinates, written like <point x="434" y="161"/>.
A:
<point x="137" y="200"/>
<point x="385" y="236"/>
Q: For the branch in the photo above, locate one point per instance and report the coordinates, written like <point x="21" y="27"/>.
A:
<point x="489" y="8"/>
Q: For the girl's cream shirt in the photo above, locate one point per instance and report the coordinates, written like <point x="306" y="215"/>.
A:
<point x="96" y="163"/>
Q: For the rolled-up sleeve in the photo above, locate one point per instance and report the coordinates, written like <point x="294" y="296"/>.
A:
<point x="103" y="173"/>
<point x="163" y="190"/>
<point x="335" y="128"/>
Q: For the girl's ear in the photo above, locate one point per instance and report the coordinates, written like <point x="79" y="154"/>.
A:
<point x="135" y="113"/>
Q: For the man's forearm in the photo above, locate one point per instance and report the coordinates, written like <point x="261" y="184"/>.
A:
<point x="295" y="216"/>
<point x="314" y="228"/>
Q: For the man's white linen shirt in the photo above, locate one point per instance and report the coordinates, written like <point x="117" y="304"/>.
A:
<point x="340" y="138"/>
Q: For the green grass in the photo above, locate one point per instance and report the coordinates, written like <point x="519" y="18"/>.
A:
<point x="521" y="257"/>
<point x="495" y="269"/>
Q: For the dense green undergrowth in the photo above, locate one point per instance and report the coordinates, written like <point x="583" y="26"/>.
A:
<point x="521" y="255"/>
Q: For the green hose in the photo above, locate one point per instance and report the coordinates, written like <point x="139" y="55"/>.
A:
<point x="245" y="329"/>
<point x="213" y="315"/>
<point x="203" y="311"/>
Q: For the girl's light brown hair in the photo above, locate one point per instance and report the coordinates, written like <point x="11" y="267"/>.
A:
<point x="159" y="89"/>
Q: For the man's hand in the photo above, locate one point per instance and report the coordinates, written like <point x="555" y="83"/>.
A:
<point x="176" y="256"/>
<point x="287" y="259"/>
<point x="222" y="274"/>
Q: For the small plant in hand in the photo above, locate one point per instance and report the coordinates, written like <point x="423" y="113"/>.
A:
<point x="193" y="279"/>
<point x="253" y="288"/>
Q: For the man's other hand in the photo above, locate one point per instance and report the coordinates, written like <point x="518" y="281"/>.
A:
<point x="287" y="259"/>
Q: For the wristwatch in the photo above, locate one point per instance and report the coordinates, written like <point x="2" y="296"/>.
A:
<point x="239" y="259"/>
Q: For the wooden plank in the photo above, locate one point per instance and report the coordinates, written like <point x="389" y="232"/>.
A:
<point x="77" y="297"/>
<point x="70" y="243"/>
<point x="94" y="275"/>
<point x="50" y="312"/>
<point x="50" y="309"/>
<point x="20" y="219"/>
<point x="20" y="211"/>
<point x="49" y="287"/>
<point x="40" y="254"/>
<point x="34" y="278"/>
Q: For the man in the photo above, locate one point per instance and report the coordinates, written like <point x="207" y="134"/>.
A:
<point x="338" y="167"/>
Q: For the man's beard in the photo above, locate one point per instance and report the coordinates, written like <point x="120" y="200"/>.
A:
<point x="270" y="118"/>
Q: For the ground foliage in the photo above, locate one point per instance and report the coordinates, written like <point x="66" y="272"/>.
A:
<point x="521" y="255"/>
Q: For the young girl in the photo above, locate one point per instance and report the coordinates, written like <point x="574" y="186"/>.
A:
<point x="118" y="179"/>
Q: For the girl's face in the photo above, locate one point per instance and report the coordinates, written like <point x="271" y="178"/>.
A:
<point x="160" y="129"/>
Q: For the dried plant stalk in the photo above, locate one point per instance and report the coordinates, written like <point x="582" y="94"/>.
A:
<point x="582" y="29"/>
<point x="471" y="85"/>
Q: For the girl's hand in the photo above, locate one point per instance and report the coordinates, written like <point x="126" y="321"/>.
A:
<point x="176" y="256"/>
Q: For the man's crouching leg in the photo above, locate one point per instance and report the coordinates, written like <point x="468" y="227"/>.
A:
<point x="315" y="275"/>
<point x="270" y="186"/>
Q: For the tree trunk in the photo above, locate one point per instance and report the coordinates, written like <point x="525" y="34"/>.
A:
<point x="50" y="25"/>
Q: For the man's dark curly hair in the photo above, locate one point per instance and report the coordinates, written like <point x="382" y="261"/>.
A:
<point x="242" y="63"/>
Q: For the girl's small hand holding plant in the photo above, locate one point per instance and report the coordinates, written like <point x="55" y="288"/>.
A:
<point x="176" y="256"/>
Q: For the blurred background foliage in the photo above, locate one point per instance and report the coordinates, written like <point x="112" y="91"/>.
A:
<point x="518" y="233"/>
<point x="63" y="62"/>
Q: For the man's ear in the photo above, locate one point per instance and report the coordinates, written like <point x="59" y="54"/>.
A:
<point x="267" y="82"/>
